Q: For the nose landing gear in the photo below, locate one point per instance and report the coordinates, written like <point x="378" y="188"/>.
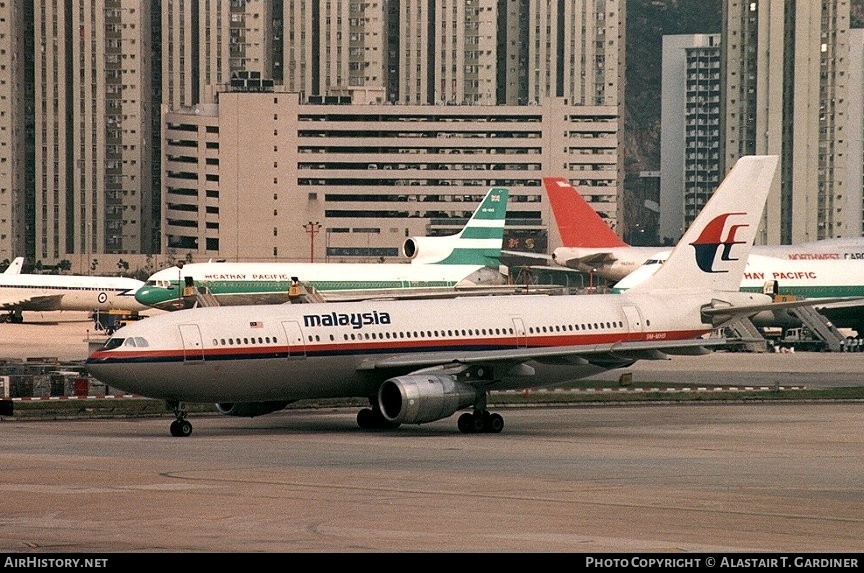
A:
<point x="181" y="427"/>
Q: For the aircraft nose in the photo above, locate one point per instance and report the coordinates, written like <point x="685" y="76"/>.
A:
<point x="153" y="295"/>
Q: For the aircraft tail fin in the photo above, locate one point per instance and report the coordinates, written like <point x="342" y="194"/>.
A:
<point x="478" y="243"/>
<point x="713" y="253"/>
<point x="15" y="266"/>
<point x="578" y="223"/>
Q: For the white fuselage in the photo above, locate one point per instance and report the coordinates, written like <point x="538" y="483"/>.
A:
<point x="269" y="283"/>
<point x="621" y="261"/>
<point x="68" y="292"/>
<point x="289" y="352"/>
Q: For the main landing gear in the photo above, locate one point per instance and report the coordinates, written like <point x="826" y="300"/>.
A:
<point x="181" y="427"/>
<point x="13" y="316"/>
<point x="480" y="421"/>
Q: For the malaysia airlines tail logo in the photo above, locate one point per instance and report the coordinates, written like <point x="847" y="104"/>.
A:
<point x="711" y="240"/>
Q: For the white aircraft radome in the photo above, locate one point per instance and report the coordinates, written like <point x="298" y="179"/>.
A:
<point x="419" y="361"/>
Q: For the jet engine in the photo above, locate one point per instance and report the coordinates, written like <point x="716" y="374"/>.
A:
<point x="428" y="249"/>
<point x="250" y="409"/>
<point x="419" y="398"/>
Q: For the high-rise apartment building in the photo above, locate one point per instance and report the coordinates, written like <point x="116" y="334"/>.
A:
<point x="475" y="52"/>
<point x="785" y="73"/>
<point x="206" y="43"/>
<point x="102" y="71"/>
<point x="690" y="138"/>
<point x="16" y="131"/>
<point x="93" y="110"/>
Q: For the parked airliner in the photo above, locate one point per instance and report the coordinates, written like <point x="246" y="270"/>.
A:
<point x="814" y="279"/>
<point x="35" y="292"/>
<point x="438" y="265"/>
<point x="591" y="246"/>
<point x="419" y="361"/>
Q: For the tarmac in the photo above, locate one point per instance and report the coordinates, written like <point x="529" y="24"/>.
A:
<point x="685" y="478"/>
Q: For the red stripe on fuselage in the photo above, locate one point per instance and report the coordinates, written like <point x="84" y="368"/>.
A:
<point x="546" y="340"/>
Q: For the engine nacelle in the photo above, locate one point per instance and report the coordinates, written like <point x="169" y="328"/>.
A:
<point x="419" y="398"/>
<point x="250" y="409"/>
<point x="428" y="249"/>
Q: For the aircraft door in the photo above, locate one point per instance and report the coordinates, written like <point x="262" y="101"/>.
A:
<point x="519" y="329"/>
<point x="634" y="322"/>
<point x="294" y="335"/>
<point x="193" y="347"/>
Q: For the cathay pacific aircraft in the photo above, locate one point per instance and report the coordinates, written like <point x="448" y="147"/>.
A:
<point x="424" y="360"/>
<point x="467" y="260"/>
<point x="813" y="279"/>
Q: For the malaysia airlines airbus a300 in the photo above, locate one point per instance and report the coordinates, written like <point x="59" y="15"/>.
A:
<point x="418" y="361"/>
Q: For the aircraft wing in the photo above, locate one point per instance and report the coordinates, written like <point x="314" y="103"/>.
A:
<point x="47" y="302"/>
<point x="720" y="314"/>
<point x="520" y="258"/>
<point x="600" y="353"/>
<point x="592" y="261"/>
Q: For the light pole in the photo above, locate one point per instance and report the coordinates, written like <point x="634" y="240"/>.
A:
<point x="312" y="229"/>
<point x="180" y="285"/>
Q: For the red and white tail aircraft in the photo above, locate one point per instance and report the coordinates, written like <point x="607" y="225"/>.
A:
<point x="419" y="361"/>
<point x="589" y="244"/>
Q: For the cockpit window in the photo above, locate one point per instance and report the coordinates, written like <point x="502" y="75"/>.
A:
<point x="113" y="343"/>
